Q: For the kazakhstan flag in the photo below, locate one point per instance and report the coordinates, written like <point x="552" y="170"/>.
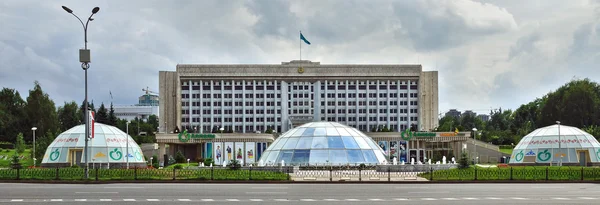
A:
<point x="304" y="39"/>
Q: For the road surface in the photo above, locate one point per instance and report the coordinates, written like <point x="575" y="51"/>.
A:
<point x="530" y="193"/>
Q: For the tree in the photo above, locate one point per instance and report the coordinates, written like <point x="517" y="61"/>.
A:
<point x="179" y="157"/>
<point x="12" y="112"/>
<point x="20" y="144"/>
<point x="463" y="162"/>
<point x="82" y="110"/>
<point x="112" y="119"/>
<point x="153" y="120"/>
<point x="41" y="112"/>
<point x="101" y="116"/>
<point x="42" y="143"/>
<point x="68" y="116"/>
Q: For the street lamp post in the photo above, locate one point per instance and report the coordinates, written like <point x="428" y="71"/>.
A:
<point x="127" y="144"/>
<point x="84" y="58"/>
<point x="475" y="145"/>
<point x="33" y="129"/>
<point x="559" y="148"/>
<point x="151" y="158"/>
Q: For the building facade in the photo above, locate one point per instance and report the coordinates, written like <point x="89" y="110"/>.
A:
<point x="261" y="97"/>
<point x="130" y="112"/>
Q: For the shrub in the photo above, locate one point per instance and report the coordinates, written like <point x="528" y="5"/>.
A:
<point x="208" y="161"/>
<point x="234" y="164"/>
<point x="179" y="157"/>
<point x="15" y="162"/>
<point x="199" y="159"/>
<point x="463" y="162"/>
<point x="178" y="166"/>
<point x="75" y="166"/>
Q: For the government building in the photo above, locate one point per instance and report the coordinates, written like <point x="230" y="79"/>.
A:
<point x="239" y="103"/>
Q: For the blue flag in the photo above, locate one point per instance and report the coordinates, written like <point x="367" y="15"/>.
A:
<point x="304" y="39"/>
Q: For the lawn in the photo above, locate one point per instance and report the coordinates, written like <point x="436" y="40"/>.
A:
<point x="507" y="151"/>
<point x="6" y="157"/>
<point x="184" y="165"/>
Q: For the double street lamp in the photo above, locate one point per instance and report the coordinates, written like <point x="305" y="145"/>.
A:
<point x="84" y="58"/>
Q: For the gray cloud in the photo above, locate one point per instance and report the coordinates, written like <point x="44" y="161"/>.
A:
<point x="467" y="41"/>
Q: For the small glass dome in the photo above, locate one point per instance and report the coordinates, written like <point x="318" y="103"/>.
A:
<point x="542" y="146"/>
<point x="323" y="143"/>
<point x="108" y="147"/>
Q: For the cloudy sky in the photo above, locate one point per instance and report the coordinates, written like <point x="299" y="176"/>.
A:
<point x="489" y="54"/>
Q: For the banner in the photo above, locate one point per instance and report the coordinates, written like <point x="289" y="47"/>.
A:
<point x="394" y="150"/>
<point x="402" y="150"/>
<point x="208" y="151"/>
<point x="218" y="153"/>
<point x="250" y="156"/>
<point x="91" y="125"/>
<point x="239" y="152"/>
<point x="228" y="151"/>
<point x="384" y="146"/>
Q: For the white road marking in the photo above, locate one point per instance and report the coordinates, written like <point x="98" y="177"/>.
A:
<point x="256" y="200"/>
<point x="307" y="200"/>
<point x="518" y="198"/>
<point x="591" y="198"/>
<point x="493" y="198"/>
<point x="469" y="198"/>
<point x="105" y="199"/>
<point x="184" y="200"/>
<point x="56" y="200"/>
<point x="270" y="187"/>
<point x="376" y="199"/>
<point x="114" y="192"/>
<point x="429" y="192"/>
<point x="264" y="192"/>
<point x="560" y="198"/>
<point x="450" y="199"/>
<point x="207" y="200"/>
<point x="128" y="199"/>
<point x="80" y="199"/>
<point x="428" y="199"/>
<point x="400" y="199"/>
<point x="352" y="200"/>
<point x="17" y="200"/>
<point x="232" y="200"/>
<point x="152" y="200"/>
<point x="281" y="200"/>
<point x="330" y="200"/>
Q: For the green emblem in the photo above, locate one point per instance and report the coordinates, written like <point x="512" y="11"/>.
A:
<point x="54" y="155"/>
<point x="138" y="156"/>
<point x="406" y="136"/>
<point x="116" y="152"/>
<point x="598" y="154"/>
<point x="544" y="156"/>
<point x="519" y="156"/>
<point x="185" y="136"/>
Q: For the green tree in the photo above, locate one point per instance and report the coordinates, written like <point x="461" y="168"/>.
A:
<point x="68" y="116"/>
<point x="12" y="112"/>
<point x="41" y="144"/>
<point x="20" y="144"/>
<point x="102" y="115"/>
<point x="82" y="111"/>
<point x="179" y="157"/>
<point x="153" y="121"/>
<point x="41" y="112"/>
<point x="463" y="162"/>
<point x="112" y="119"/>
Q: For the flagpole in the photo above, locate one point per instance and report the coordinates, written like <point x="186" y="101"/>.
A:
<point x="300" y="46"/>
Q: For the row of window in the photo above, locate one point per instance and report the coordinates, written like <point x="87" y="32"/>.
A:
<point x="272" y="119"/>
<point x="296" y="87"/>
<point x="299" y="95"/>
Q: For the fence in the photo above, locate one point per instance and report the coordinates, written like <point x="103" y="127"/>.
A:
<point x="331" y="174"/>
<point x="529" y="173"/>
<point x="214" y="173"/>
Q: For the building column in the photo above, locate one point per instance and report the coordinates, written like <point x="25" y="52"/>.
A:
<point x="161" y="152"/>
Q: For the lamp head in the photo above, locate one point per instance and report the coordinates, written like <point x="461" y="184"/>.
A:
<point x="474" y="129"/>
<point x="34" y="128"/>
<point x="67" y="9"/>
<point x="95" y="10"/>
<point x="558" y="122"/>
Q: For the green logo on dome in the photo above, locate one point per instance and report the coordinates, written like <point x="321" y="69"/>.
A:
<point x="54" y="155"/>
<point x="519" y="156"/>
<point x="138" y="156"/>
<point x="598" y="154"/>
<point x="116" y="152"/>
<point x="544" y="156"/>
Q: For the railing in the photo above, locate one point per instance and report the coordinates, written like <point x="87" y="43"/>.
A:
<point x="528" y="173"/>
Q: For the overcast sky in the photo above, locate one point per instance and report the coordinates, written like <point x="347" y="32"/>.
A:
<point x="489" y="54"/>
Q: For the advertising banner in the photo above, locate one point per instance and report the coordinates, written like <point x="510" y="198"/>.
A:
<point x="394" y="150"/>
<point x="384" y="146"/>
<point x="209" y="150"/>
<point x="239" y="152"/>
<point x="258" y="150"/>
<point x="402" y="149"/>
<point x="250" y="156"/>
<point x="218" y="153"/>
<point x="228" y="151"/>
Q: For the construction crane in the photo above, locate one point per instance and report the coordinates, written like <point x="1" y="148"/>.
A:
<point x="148" y="91"/>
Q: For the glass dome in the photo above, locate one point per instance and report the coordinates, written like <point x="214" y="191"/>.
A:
<point x="542" y="146"/>
<point x="323" y="143"/>
<point x="109" y="146"/>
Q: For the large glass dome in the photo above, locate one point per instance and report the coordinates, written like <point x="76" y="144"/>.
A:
<point x="107" y="148"/>
<point x="542" y="146"/>
<point x="323" y="143"/>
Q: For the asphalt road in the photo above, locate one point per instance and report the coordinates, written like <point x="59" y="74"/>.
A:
<point x="530" y="193"/>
